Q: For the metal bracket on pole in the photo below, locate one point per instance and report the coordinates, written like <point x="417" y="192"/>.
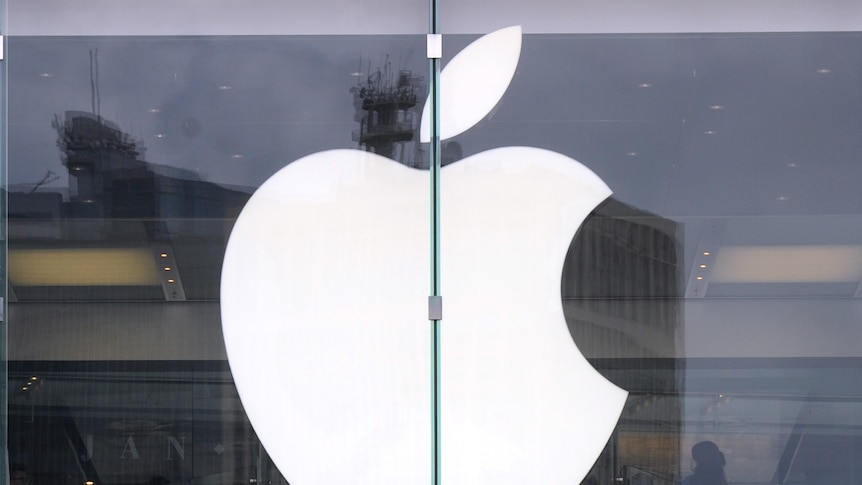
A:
<point x="435" y="46"/>
<point x="435" y="308"/>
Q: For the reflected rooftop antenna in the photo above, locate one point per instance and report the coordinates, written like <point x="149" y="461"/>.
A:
<point x="95" y="97"/>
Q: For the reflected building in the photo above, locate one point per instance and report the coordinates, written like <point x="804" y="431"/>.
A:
<point x="621" y="291"/>
<point x="117" y="199"/>
<point x="109" y="179"/>
<point x="142" y="235"/>
<point x="385" y="104"/>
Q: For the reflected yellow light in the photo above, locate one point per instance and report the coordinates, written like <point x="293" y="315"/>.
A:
<point x="702" y="266"/>
<point x="787" y="264"/>
<point x="706" y="253"/>
<point x="171" y="280"/>
<point x="82" y="267"/>
<point x="167" y="268"/>
<point x="164" y="255"/>
<point x="699" y="278"/>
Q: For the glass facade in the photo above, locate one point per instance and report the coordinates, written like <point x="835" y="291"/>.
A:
<point x="719" y="285"/>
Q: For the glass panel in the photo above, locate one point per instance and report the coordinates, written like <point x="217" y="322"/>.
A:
<point x="131" y="158"/>
<point x="720" y="284"/>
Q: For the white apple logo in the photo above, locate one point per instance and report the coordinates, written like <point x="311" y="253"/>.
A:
<point x="324" y="307"/>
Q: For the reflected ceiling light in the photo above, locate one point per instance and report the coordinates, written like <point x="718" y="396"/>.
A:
<point x="700" y="278"/>
<point x="164" y="255"/>
<point x="225" y="87"/>
<point x="46" y="74"/>
<point x="154" y="110"/>
<point x="792" y="165"/>
<point x="645" y="85"/>
<point x="782" y="198"/>
<point x="824" y="70"/>
<point x="703" y="266"/>
<point x="788" y="264"/>
<point x="632" y="154"/>
<point x="706" y="253"/>
<point x="357" y="74"/>
<point x="167" y="268"/>
<point x="171" y="280"/>
<point x="160" y="135"/>
<point x="716" y="107"/>
<point x="237" y="155"/>
<point x="710" y="132"/>
<point x="82" y="267"/>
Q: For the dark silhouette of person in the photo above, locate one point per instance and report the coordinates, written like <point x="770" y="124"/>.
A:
<point x="708" y="465"/>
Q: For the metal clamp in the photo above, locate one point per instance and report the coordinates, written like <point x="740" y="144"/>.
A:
<point x="435" y="308"/>
<point x="435" y="46"/>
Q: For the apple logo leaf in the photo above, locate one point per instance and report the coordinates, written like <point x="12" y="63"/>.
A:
<point x="473" y="82"/>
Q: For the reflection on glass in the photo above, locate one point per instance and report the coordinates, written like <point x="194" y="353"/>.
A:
<point x="118" y="230"/>
<point x="621" y="288"/>
<point x="134" y="422"/>
<point x="385" y="106"/>
<point x="720" y="285"/>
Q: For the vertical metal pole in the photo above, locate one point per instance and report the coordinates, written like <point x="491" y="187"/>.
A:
<point x="4" y="246"/>
<point x="434" y="166"/>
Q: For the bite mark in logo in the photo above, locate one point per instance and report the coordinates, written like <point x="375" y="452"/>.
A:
<point x="324" y="288"/>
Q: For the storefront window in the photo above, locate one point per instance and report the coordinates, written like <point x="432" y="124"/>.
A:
<point x="719" y="285"/>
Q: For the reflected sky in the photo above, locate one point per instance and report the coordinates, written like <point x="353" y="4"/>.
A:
<point x="679" y="125"/>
